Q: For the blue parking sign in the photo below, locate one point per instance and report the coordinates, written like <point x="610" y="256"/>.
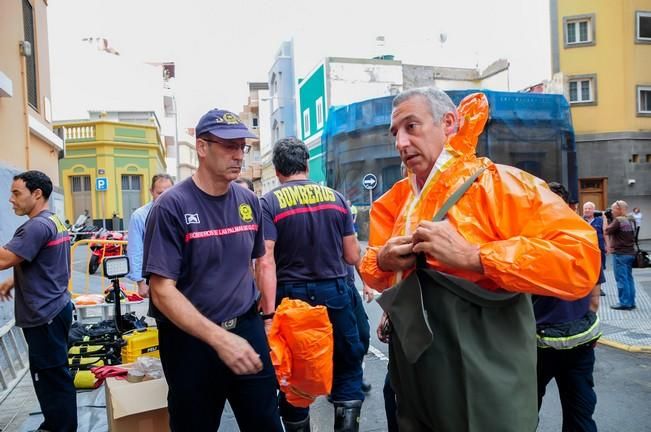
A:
<point x="101" y="183"/>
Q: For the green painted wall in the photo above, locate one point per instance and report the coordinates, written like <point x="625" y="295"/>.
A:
<point x="90" y="162"/>
<point x="130" y="152"/>
<point x="309" y="91"/>
<point x="80" y="152"/>
<point x="121" y="162"/>
<point x="316" y="169"/>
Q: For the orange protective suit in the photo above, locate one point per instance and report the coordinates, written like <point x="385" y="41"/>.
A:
<point x="530" y="240"/>
<point x="301" y="343"/>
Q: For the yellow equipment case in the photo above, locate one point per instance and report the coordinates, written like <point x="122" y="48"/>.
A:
<point x="139" y="343"/>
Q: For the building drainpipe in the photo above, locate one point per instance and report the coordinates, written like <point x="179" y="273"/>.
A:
<point x="23" y="74"/>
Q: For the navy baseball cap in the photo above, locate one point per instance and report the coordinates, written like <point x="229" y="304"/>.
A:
<point x="223" y="124"/>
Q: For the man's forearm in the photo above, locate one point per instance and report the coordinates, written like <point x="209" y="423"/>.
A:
<point x="595" y="298"/>
<point x="266" y="277"/>
<point x="8" y="259"/>
<point x="135" y="255"/>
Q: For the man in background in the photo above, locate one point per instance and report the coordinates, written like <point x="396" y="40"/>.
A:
<point x="159" y="184"/>
<point x="621" y="234"/>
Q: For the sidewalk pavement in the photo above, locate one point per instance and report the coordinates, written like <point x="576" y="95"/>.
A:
<point x="628" y="330"/>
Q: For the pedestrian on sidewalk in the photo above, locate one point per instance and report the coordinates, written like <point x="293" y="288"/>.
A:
<point x="567" y="332"/>
<point x="599" y="225"/>
<point x="39" y="253"/>
<point x="637" y="217"/>
<point x="200" y="239"/>
<point x="310" y="241"/>
<point x="353" y="212"/>
<point x="621" y="234"/>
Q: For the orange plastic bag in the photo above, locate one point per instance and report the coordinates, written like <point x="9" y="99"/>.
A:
<point x="302" y="345"/>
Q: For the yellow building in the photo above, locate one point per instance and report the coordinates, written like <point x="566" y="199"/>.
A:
<point x="26" y="137"/>
<point x="603" y="50"/>
<point x="108" y="166"/>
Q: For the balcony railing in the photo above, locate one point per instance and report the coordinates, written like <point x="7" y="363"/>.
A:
<point x="80" y="133"/>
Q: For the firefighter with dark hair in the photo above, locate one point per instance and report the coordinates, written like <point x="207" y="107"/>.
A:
<point x="39" y="253"/>
<point x="310" y="241"/>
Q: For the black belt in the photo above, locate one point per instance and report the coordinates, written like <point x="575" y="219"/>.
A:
<point x="232" y="323"/>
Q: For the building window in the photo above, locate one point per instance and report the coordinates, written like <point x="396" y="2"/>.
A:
<point x="130" y="182"/>
<point x="644" y="100"/>
<point x="274" y="85"/>
<point x="28" y="25"/>
<point x="582" y="89"/>
<point x="80" y="183"/>
<point x="254" y="122"/>
<point x="276" y="132"/>
<point x="306" y="123"/>
<point x="319" y="112"/>
<point x="579" y="30"/>
<point x="643" y="26"/>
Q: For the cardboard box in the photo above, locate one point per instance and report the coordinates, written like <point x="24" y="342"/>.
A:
<point x="137" y="407"/>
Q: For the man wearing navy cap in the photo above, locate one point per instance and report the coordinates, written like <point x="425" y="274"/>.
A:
<point x="200" y="239"/>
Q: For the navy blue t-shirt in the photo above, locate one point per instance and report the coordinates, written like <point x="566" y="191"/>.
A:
<point x="41" y="280"/>
<point x="308" y="223"/>
<point x="205" y="243"/>
<point x="552" y="310"/>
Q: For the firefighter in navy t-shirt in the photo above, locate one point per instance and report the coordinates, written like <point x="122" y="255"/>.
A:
<point x="39" y="252"/>
<point x="310" y="241"/>
<point x="200" y="238"/>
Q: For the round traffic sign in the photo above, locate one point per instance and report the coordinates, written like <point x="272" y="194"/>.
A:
<point x="369" y="181"/>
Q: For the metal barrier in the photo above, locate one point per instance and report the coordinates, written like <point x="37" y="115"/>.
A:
<point x="105" y="244"/>
<point x="14" y="361"/>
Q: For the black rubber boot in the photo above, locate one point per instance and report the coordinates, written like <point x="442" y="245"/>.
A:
<point x="299" y="426"/>
<point x="347" y="415"/>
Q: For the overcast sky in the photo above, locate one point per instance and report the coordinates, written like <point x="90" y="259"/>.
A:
<point x="219" y="46"/>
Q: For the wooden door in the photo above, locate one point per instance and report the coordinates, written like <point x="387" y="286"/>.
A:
<point x="593" y="189"/>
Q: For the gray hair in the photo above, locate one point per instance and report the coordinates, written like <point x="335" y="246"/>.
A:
<point x="621" y="204"/>
<point x="439" y="102"/>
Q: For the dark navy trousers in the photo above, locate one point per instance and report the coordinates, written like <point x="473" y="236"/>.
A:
<point x="200" y="383"/>
<point x="572" y="369"/>
<point x="349" y="350"/>
<point x="48" y="365"/>
<point x="363" y="326"/>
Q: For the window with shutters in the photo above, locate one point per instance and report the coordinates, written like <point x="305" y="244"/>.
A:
<point x="131" y="182"/>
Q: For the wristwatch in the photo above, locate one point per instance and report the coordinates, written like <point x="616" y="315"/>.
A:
<point x="268" y="316"/>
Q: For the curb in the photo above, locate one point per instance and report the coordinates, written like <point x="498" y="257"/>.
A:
<point x="625" y="347"/>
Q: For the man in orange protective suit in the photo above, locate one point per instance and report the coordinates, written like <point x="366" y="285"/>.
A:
<point x="508" y="232"/>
